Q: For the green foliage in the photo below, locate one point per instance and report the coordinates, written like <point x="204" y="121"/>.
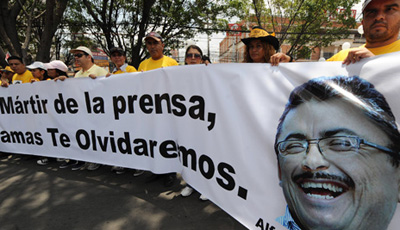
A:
<point x="306" y="24"/>
<point x="122" y="23"/>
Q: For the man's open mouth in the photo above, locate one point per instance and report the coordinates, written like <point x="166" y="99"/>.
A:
<point x="323" y="185"/>
<point x="322" y="190"/>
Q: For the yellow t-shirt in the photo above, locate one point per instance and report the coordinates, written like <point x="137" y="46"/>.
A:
<point x="125" y="68"/>
<point x="394" y="47"/>
<point x="26" y="77"/>
<point x="95" y="69"/>
<point x="150" y="63"/>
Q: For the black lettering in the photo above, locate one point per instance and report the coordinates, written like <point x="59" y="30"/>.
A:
<point x="59" y="104"/>
<point x="29" y="138"/>
<point x="207" y="172"/>
<point x="119" y="106"/>
<point x="98" y="105"/>
<point x="197" y="110"/>
<point x="168" y="146"/>
<point x="39" y="140"/>
<point x="17" y="137"/>
<point x="224" y="170"/>
<point x="124" y="144"/>
<point x="5" y="138"/>
<point x="158" y="101"/>
<point x="6" y="107"/>
<point x="184" y="153"/>
<point x="85" y="142"/>
<point x="180" y="110"/>
<point x="141" y="147"/>
<point x="145" y="102"/>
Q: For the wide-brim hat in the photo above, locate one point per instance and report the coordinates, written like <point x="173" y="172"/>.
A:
<point x="260" y="33"/>
<point x="7" y="69"/>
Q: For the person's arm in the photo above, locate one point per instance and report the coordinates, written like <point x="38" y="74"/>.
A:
<point x="61" y="78"/>
<point x="280" y="57"/>
<point x="355" y="55"/>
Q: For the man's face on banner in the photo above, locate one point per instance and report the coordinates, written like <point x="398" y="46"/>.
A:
<point x="357" y="189"/>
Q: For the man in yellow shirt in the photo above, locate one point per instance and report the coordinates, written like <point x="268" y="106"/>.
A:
<point x="22" y="75"/>
<point x="118" y="57"/>
<point x="381" y="23"/>
<point x="155" y="46"/>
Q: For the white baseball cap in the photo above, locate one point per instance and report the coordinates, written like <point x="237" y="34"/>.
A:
<point x="57" y="65"/>
<point x="37" y="65"/>
<point x="83" y="49"/>
<point x="365" y="4"/>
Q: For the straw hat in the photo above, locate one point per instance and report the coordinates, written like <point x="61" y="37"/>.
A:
<point x="260" y="33"/>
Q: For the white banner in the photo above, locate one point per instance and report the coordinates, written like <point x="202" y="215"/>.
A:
<point x="215" y="124"/>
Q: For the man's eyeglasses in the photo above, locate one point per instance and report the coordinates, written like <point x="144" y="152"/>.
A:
<point x="189" y="55"/>
<point x="337" y="145"/>
<point x="79" y="55"/>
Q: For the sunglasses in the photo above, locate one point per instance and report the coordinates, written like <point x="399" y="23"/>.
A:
<point x="116" y="55"/>
<point x="79" y="55"/>
<point x="197" y="56"/>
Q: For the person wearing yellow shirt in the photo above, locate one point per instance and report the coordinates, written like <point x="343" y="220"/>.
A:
<point x="6" y="74"/>
<point x="22" y="75"/>
<point x="118" y="57"/>
<point x="155" y="46"/>
<point x="381" y="23"/>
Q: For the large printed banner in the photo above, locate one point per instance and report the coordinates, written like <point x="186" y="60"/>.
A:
<point x="216" y="125"/>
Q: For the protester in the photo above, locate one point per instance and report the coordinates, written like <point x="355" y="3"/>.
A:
<point x="6" y="74"/>
<point x="84" y="58"/>
<point x="22" y="75"/>
<point x="38" y="70"/>
<point x="193" y="56"/>
<point x="155" y="46"/>
<point x="57" y="68"/>
<point x="118" y="58"/>
<point x="261" y="47"/>
<point x="381" y="24"/>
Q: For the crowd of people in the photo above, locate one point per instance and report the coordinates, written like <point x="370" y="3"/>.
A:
<point x="381" y="22"/>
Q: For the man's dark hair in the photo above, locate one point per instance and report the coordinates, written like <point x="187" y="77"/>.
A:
<point x="15" y="58"/>
<point x="368" y="99"/>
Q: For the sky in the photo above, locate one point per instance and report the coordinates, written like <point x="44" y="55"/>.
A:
<point x="216" y="38"/>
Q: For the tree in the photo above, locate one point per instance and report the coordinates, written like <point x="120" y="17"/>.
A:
<point x="306" y="24"/>
<point x="125" y="23"/>
<point x="24" y="22"/>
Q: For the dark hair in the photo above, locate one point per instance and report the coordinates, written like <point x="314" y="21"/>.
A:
<point x="193" y="47"/>
<point x="372" y="103"/>
<point x="15" y="58"/>
<point x="268" y="49"/>
<point x="206" y="58"/>
<point x="61" y="73"/>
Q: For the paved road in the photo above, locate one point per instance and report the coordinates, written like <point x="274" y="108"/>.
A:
<point x="48" y="198"/>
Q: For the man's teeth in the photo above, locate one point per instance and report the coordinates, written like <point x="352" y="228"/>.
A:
<point x="328" y="186"/>
<point x="320" y="196"/>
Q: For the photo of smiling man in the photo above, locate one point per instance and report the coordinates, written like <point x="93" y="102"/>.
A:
<point x="338" y="147"/>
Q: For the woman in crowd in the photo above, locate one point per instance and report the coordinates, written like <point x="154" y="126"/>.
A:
<point x="193" y="56"/>
<point x="54" y="69"/>
<point x="38" y="71"/>
<point x="262" y="47"/>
